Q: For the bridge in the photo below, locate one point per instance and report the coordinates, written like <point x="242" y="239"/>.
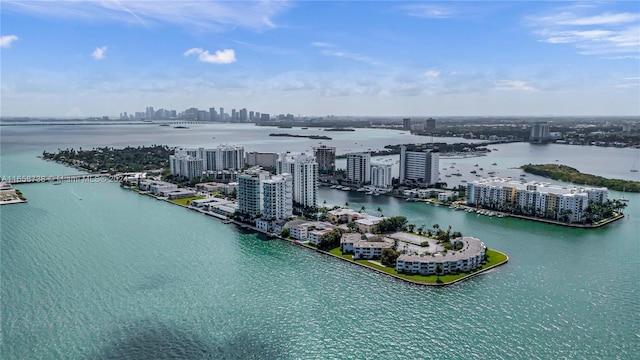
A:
<point x="79" y="178"/>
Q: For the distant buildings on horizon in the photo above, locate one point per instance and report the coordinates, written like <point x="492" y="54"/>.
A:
<point x="195" y="114"/>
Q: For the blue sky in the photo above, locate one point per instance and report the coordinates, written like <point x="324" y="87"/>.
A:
<point x="93" y="58"/>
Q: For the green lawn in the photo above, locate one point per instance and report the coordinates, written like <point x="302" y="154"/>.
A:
<point x="184" y="201"/>
<point x="493" y="258"/>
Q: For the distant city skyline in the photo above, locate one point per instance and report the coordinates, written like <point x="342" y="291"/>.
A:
<point x="317" y="58"/>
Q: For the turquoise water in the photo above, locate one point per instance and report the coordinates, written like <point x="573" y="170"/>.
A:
<point x="120" y="275"/>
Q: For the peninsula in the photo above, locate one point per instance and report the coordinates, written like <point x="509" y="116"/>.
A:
<point x="569" y="174"/>
<point x="388" y="245"/>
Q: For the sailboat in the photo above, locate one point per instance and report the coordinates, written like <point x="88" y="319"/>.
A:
<point x="634" y="168"/>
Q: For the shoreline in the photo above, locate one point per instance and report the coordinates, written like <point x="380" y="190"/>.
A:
<point x="523" y="217"/>
<point x="15" y="201"/>
<point x="415" y="282"/>
<point x="298" y="243"/>
<point x="578" y="226"/>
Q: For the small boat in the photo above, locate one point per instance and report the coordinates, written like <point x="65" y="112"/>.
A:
<point x="476" y="165"/>
<point x="494" y="164"/>
<point x="623" y="198"/>
<point x="473" y="171"/>
<point x="57" y="182"/>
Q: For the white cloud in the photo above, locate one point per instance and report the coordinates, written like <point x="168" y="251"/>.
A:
<point x="429" y="11"/>
<point x="226" y="56"/>
<point x="6" y="40"/>
<point x="432" y="73"/>
<point x="614" y="34"/>
<point x="99" y="53"/>
<point x="568" y="18"/>
<point x="329" y="50"/>
<point x="510" y="85"/>
<point x="207" y="15"/>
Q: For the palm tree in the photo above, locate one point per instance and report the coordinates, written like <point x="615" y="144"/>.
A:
<point x="438" y="272"/>
<point x="362" y="209"/>
<point x="346" y="203"/>
<point x="379" y="209"/>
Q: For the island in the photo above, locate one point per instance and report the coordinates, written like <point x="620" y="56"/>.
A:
<point x="313" y="137"/>
<point x="113" y="160"/>
<point x="569" y="174"/>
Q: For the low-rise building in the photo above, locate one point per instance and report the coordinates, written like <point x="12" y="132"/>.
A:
<point x="263" y="225"/>
<point x="315" y="235"/>
<point x="347" y="240"/>
<point x="299" y="232"/>
<point x="177" y="193"/>
<point x="445" y="195"/>
<point x="300" y="229"/>
<point x="369" y="249"/>
<point x="470" y="256"/>
<point x="368" y="224"/>
<point x="7" y="192"/>
<point x="155" y="187"/>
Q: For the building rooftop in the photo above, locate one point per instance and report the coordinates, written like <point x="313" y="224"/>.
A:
<point x="350" y="238"/>
<point x="372" y="244"/>
<point x="471" y="247"/>
<point x="539" y="186"/>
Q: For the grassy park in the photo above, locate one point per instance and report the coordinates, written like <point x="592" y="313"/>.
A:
<point x="186" y="201"/>
<point x="493" y="258"/>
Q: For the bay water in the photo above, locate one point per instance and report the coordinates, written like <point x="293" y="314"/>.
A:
<point x="93" y="271"/>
